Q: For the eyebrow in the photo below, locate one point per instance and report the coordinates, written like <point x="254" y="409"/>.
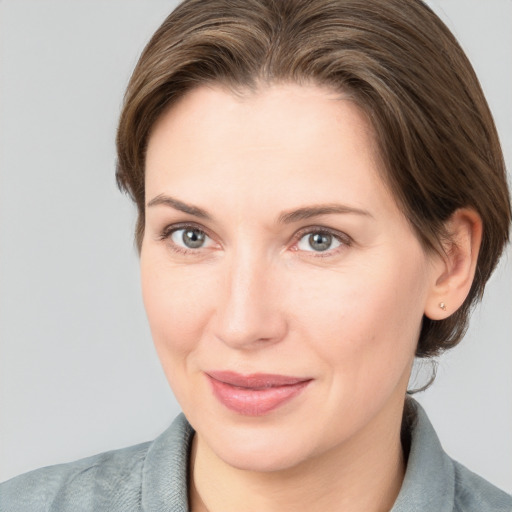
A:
<point x="316" y="210"/>
<point x="286" y="217"/>
<point x="165" y="200"/>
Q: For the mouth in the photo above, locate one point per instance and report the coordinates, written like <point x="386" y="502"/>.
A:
<point x="256" y="394"/>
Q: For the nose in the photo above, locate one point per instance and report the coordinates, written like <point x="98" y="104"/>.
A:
<point x="249" y="314"/>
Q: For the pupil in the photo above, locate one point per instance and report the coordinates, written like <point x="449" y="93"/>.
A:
<point x="193" y="238"/>
<point x="320" y="241"/>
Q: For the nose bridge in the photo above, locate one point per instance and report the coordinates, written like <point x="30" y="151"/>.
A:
<point x="248" y="314"/>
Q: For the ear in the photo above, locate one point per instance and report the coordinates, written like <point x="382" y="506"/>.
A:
<point x="454" y="270"/>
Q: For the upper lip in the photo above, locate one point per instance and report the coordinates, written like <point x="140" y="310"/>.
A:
<point x="255" y="380"/>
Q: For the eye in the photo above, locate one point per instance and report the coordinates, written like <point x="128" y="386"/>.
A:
<point x="319" y="241"/>
<point x="189" y="238"/>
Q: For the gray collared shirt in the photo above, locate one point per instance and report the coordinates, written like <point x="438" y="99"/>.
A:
<point x="152" y="477"/>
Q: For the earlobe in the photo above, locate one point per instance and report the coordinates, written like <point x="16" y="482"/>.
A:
<point x="455" y="269"/>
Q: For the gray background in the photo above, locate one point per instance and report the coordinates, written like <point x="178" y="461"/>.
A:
<point x="78" y="374"/>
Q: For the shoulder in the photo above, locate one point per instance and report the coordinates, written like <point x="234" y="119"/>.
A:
<point x="148" y="476"/>
<point x="434" y="482"/>
<point x="474" y="494"/>
<point x="102" y="482"/>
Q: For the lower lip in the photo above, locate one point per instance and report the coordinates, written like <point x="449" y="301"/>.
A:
<point x="253" y="401"/>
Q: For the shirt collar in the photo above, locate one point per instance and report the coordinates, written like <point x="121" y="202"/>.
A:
<point x="165" y="472"/>
<point x="429" y="482"/>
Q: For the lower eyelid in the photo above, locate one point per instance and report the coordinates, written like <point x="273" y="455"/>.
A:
<point x="208" y="241"/>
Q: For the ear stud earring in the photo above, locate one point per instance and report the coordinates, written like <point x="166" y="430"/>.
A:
<point x="442" y="305"/>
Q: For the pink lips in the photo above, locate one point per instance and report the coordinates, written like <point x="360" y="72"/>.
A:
<point x="255" y="394"/>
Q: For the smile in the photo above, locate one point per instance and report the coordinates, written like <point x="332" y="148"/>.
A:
<point x="255" y="394"/>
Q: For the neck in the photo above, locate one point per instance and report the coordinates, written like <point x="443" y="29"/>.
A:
<point x="362" y="474"/>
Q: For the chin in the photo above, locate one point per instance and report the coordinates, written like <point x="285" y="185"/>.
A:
<point x="263" y="459"/>
<point x="259" y="447"/>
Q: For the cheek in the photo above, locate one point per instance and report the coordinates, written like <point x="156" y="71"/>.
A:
<point x="365" y="320"/>
<point x="177" y="300"/>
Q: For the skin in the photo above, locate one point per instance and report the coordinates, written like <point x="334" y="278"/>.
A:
<point x="258" y="297"/>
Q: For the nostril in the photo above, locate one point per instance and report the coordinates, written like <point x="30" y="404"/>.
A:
<point x="249" y="329"/>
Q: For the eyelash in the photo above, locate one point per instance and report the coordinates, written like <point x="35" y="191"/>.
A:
<point x="169" y="230"/>
<point x="342" y="238"/>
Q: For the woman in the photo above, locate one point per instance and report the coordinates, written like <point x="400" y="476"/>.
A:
<point x="321" y="197"/>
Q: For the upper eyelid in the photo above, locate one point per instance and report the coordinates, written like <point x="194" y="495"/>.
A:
<point x="171" y="228"/>
<point x="322" y="229"/>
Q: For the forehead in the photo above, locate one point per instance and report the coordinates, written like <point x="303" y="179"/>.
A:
<point x="220" y="111"/>
<point x="312" y="139"/>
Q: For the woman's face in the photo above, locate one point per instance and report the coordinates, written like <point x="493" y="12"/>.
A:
<point x="283" y="286"/>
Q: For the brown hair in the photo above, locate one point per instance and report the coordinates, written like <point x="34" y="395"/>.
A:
<point x="394" y="58"/>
